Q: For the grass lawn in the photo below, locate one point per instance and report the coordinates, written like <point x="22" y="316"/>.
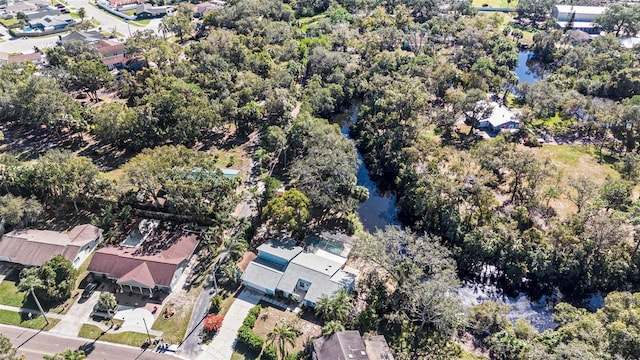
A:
<point x="22" y="320"/>
<point x="470" y="356"/>
<point x="174" y="329"/>
<point x="129" y="12"/>
<point x="575" y="160"/>
<point x="74" y="15"/>
<point x="127" y="337"/>
<point x="9" y="22"/>
<point x="9" y="294"/>
<point x="140" y="23"/>
<point x="495" y="3"/>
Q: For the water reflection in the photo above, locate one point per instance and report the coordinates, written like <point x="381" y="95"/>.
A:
<point x="379" y="210"/>
<point x="528" y="69"/>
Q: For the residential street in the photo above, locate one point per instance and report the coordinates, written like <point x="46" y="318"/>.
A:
<point x="35" y="344"/>
<point x="107" y="23"/>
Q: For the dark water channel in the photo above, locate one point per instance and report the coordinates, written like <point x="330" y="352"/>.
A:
<point x="380" y="210"/>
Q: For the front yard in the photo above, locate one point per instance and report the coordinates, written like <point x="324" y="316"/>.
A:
<point x="127" y="338"/>
<point x="174" y="329"/>
<point x="22" y="320"/>
<point x="270" y="317"/>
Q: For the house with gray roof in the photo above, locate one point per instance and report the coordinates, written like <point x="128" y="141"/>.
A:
<point x="349" y="345"/>
<point x="284" y="269"/>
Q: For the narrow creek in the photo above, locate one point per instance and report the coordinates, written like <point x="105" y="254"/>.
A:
<point x="380" y="210"/>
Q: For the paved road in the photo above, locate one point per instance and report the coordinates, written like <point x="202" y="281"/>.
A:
<point x="34" y="345"/>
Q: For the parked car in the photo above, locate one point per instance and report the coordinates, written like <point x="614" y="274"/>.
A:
<point x="88" y="290"/>
<point x="60" y="6"/>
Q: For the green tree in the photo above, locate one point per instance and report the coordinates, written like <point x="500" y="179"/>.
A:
<point x="7" y="351"/>
<point x="288" y="212"/>
<point x="90" y="76"/>
<point x="180" y="23"/>
<point x="621" y="19"/>
<point x="52" y="282"/>
<point x="536" y="10"/>
<point x="282" y="335"/>
<point x="82" y="13"/>
<point x="67" y="355"/>
<point x="106" y="302"/>
<point x="332" y="327"/>
<point x="18" y="211"/>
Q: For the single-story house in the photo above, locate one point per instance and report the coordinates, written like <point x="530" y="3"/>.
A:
<point x="112" y="53"/>
<point x="108" y="48"/>
<point x="156" y="263"/>
<point x="119" y="3"/>
<point x="114" y="62"/>
<point x="34" y="57"/>
<point x="91" y="37"/>
<point x="284" y="269"/>
<point x="46" y="11"/>
<point x="51" y="22"/>
<point x="146" y="11"/>
<point x="501" y="119"/>
<point x="202" y="9"/>
<point x="349" y="345"/>
<point x="578" y="17"/>
<point x="35" y="247"/>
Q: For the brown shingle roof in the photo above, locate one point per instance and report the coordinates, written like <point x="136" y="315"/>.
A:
<point x="124" y="263"/>
<point x="18" y="58"/>
<point x="112" y="60"/>
<point x="35" y="247"/>
<point x="110" y="47"/>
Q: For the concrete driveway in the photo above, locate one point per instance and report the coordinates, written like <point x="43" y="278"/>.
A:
<point x="79" y="314"/>
<point x="134" y="320"/>
<point x="221" y="347"/>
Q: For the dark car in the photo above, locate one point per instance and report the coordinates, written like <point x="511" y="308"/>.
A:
<point x="88" y="290"/>
<point x="60" y="6"/>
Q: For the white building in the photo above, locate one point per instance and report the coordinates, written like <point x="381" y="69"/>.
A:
<point x="578" y="17"/>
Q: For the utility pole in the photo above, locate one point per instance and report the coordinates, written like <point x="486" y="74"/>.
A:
<point x="146" y="328"/>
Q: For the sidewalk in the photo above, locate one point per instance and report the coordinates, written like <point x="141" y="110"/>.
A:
<point x="221" y="347"/>
<point x="33" y="311"/>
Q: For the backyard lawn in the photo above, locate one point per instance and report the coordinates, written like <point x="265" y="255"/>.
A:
<point x="128" y="337"/>
<point x="22" y="320"/>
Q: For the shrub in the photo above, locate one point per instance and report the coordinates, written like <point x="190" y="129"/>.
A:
<point x="250" y="339"/>
<point x="216" y="302"/>
<point x="251" y="318"/>
<point x="213" y="322"/>
<point x="270" y="353"/>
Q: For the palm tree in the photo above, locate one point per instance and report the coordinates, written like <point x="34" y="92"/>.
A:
<point x="82" y="13"/>
<point x="280" y="336"/>
<point x="323" y="307"/>
<point x="334" y="308"/>
<point x="332" y="327"/>
<point x="164" y="27"/>
<point x="31" y="283"/>
<point x="233" y="248"/>
<point x="107" y="302"/>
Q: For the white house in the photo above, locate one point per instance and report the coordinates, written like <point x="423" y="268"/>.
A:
<point x="284" y="269"/>
<point x="578" y="17"/>
<point x="501" y="119"/>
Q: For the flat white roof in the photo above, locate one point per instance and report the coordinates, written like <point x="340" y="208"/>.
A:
<point x="593" y="10"/>
<point x="577" y="24"/>
<point x="317" y="263"/>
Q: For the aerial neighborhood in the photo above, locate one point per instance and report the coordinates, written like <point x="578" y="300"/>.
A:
<point x="319" y="180"/>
